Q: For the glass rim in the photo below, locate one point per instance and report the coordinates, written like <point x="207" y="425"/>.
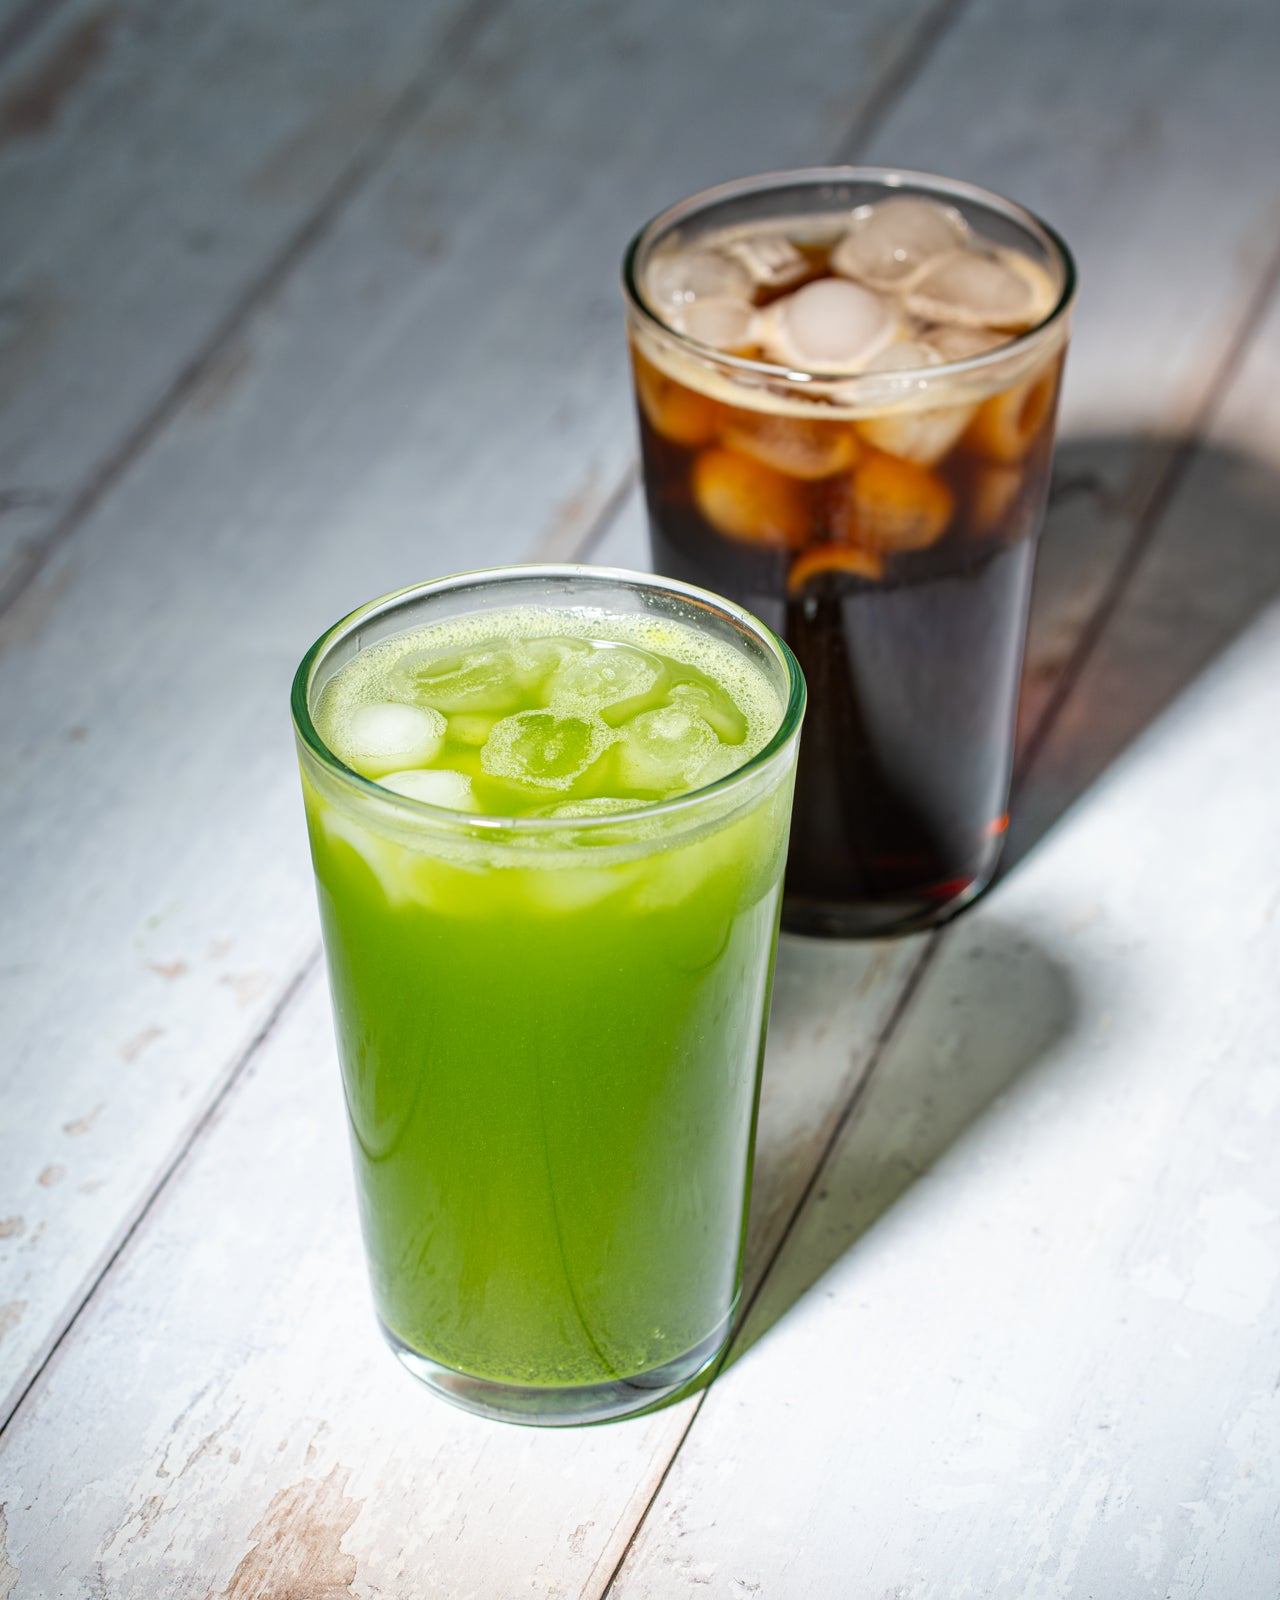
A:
<point x="499" y="826"/>
<point x="886" y="178"/>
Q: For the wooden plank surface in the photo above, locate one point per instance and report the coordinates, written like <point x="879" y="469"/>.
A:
<point x="406" y="405"/>
<point x="159" y="164"/>
<point x="323" y="433"/>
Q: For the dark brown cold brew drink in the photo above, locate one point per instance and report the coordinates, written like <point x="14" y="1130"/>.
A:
<point x="846" y="383"/>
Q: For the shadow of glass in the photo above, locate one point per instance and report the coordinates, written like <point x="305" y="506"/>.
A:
<point x="1211" y="567"/>
<point x="995" y="1003"/>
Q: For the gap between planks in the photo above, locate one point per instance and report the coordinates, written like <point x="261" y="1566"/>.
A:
<point x="203" y="1120"/>
<point x="444" y="62"/>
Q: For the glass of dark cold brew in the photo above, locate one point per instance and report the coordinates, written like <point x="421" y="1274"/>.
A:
<point x="846" y="381"/>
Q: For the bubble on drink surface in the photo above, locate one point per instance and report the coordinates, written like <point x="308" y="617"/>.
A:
<point x="771" y="259"/>
<point x="889" y="242"/>
<point x="664" y="751"/>
<point x="979" y="290"/>
<point x="438" y="786"/>
<point x="676" y="278"/>
<point x="384" y="736"/>
<point x="606" y="675"/>
<point x="547" y="749"/>
<point x="717" y="321"/>
<point x="828" y="326"/>
<point x="485" y="679"/>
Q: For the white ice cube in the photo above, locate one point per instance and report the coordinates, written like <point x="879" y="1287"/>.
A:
<point x="676" y="278"/>
<point x="771" y="259"/>
<point x="435" y="787"/>
<point x="992" y="291"/>
<point x="828" y="326"/>
<point x="722" y="323"/>
<point x="923" y="434"/>
<point x="890" y="241"/>
<point x="664" y="750"/>
<point x="384" y="736"/>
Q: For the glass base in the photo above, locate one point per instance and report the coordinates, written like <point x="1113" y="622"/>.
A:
<point x="563" y="1406"/>
<point x="874" y="919"/>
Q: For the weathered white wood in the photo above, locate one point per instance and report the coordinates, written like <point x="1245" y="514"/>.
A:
<point x="244" y="532"/>
<point x="411" y="402"/>
<point x="155" y="160"/>
<point x="1023" y="1342"/>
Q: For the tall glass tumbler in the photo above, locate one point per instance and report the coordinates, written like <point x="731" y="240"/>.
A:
<point x="550" y="1029"/>
<point x="846" y="381"/>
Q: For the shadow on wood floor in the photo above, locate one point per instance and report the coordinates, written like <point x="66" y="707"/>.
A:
<point x="1209" y="570"/>
<point x="1008" y="1004"/>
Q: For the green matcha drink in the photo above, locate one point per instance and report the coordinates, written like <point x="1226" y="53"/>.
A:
<point x="548" y="811"/>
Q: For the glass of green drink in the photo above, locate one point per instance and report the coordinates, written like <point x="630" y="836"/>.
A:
<point x="548" y="810"/>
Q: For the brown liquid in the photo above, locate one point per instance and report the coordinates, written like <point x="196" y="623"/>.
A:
<point x="911" y="654"/>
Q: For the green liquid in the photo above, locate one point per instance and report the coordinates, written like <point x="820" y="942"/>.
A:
<point x="551" y="1051"/>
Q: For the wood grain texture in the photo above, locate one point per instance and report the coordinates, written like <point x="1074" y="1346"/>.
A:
<point x="406" y="405"/>
<point x="158" y="163"/>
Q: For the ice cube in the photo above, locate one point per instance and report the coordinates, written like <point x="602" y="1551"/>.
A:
<point x="544" y="749"/>
<point x="892" y="505"/>
<point x="437" y="787"/>
<point x="664" y="751"/>
<point x="600" y="677"/>
<point x="890" y="241"/>
<point x="482" y="679"/>
<point x="795" y="445"/>
<point x="715" y="320"/>
<point x="678" y="277"/>
<point x="715" y="708"/>
<point x="771" y="259"/>
<point x="746" y="500"/>
<point x="1007" y="425"/>
<point x="384" y="736"/>
<point x="956" y="343"/>
<point x="923" y="435"/>
<point x="979" y="290"/>
<point x="681" y="415"/>
<point x="828" y="326"/>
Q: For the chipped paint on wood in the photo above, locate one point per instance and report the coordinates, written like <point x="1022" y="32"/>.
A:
<point x="297" y="1551"/>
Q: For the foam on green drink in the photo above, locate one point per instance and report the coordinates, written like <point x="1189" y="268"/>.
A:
<point x="550" y="1037"/>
